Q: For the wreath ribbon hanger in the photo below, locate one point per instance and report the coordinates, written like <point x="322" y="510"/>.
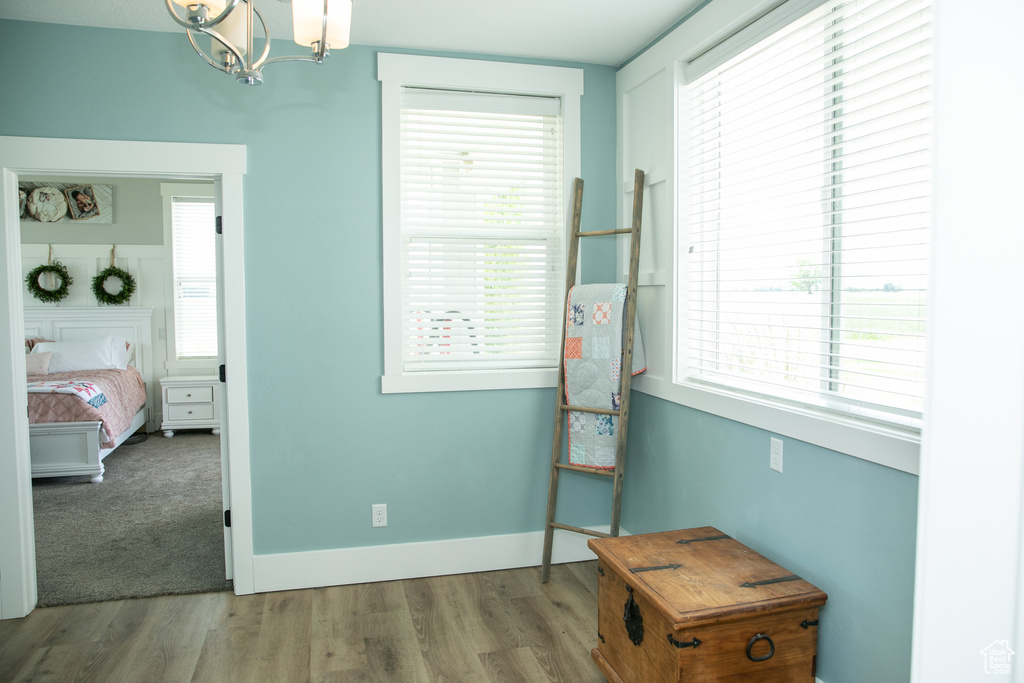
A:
<point x="57" y="270"/>
<point x="127" y="283"/>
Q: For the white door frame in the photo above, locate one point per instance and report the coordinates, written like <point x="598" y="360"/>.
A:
<point x="225" y="164"/>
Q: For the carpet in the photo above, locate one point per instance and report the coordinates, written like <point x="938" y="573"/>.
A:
<point x="153" y="526"/>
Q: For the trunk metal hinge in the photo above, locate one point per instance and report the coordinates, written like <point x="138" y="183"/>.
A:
<point x="766" y="582"/>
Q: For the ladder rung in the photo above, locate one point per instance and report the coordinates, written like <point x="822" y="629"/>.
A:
<point x="581" y="409"/>
<point x="580" y="468"/>
<point x="598" y="233"/>
<point x="580" y="530"/>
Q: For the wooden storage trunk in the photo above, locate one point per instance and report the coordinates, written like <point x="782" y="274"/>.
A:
<point x="697" y="605"/>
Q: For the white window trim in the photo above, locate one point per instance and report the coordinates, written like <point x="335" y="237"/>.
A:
<point x="891" y="447"/>
<point x="168" y="191"/>
<point x="395" y="71"/>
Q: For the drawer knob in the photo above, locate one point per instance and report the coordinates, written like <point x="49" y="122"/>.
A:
<point x="190" y="412"/>
<point x="750" y="645"/>
<point x="188" y="395"/>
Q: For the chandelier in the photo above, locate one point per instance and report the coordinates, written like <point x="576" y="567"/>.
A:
<point x="231" y="30"/>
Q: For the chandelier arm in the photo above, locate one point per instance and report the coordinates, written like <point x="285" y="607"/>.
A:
<point x="240" y="62"/>
<point x="221" y="40"/>
<point x="321" y="50"/>
<point x="212" y="22"/>
<point x="258" y="64"/>
<point x="289" y="58"/>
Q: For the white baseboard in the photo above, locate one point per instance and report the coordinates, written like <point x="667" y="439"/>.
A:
<point x="342" y="566"/>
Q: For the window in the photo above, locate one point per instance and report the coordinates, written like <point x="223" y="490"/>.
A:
<point x="806" y="166"/>
<point x="193" y="245"/>
<point x="474" y="258"/>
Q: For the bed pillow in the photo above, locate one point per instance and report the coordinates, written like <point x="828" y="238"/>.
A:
<point x="105" y="353"/>
<point x="37" y="363"/>
<point x="29" y="343"/>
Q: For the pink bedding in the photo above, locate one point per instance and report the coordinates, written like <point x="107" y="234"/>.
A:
<point x="124" y="389"/>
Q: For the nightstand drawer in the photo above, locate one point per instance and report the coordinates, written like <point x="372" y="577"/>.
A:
<point x="190" y="395"/>
<point x="185" y="412"/>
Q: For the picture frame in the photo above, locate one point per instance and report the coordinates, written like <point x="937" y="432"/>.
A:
<point x="82" y="202"/>
<point x="63" y="197"/>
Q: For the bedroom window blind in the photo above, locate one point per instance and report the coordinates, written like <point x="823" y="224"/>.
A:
<point x="808" y="211"/>
<point x="195" y="277"/>
<point x="481" y="230"/>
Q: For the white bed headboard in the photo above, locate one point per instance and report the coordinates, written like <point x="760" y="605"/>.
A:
<point x="75" y="323"/>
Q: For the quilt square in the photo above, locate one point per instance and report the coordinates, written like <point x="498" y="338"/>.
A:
<point x="620" y="293"/>
<point x="616" y="369"/>
<point x="577" y="422"/>
<point x="599" y="347"/>
<point x="578" y="453"/>
<point x="577" y="314"/>
<point x="605" y="456"/>
<point x="602" y="313"/>
<point x="574" y="347"/>
<point x="605" y="425"/>
<point x="616" y="401"/>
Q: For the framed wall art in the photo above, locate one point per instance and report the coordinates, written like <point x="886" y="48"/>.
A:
<point x="66" y="202"/>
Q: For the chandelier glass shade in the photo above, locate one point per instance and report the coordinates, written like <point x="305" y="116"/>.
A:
<point x="231" y="26"/>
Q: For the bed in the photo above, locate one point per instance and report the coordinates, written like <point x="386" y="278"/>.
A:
<point x="77" y="444"/>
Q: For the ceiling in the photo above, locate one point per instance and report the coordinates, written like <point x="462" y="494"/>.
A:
<point x="593" y="31"/>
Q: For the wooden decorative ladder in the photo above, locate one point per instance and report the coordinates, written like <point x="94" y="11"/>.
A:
<point x="557" y="466"/>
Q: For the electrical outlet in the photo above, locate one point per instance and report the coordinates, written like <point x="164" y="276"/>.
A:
<point x="775" y="457"/>
<point x="379" y="514"/>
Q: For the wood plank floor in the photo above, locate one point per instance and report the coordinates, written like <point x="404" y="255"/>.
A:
<point x="478" y="628"/>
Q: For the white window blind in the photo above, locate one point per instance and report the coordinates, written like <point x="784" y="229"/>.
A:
<point x="808" y="212"/>
<point x="481" y="230"/>
<point x="195" y="277"/>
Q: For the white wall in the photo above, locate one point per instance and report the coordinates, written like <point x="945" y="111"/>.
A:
<point x="970" y="584"/>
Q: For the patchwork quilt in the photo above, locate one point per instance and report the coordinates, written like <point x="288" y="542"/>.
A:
<point x="593" y="372"/>
<point x="108" y="396"/>
<point x="87" y="391"/>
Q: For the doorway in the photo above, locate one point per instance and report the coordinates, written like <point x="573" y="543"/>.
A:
<point x="225" y="165"/>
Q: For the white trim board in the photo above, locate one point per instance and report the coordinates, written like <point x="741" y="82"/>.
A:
<point x="343" y="566"/>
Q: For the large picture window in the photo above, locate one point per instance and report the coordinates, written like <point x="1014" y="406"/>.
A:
<point x="475" y="172"/>
<point x="807" y="165"/>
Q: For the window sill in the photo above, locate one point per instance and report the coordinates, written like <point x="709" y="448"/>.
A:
<point x="468" y="381"/>
<point x="192" y="365"/>
<point x="891" y="447"/>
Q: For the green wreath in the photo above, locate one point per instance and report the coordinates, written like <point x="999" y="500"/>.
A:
<point x="50" y="296"/>
<point x="105" y="297"/>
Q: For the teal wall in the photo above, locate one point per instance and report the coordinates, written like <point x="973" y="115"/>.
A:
<point x="325" y="443"/>
<point x="846" y="525"/>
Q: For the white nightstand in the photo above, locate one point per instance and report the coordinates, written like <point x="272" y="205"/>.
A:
<point x="190" y="402"/>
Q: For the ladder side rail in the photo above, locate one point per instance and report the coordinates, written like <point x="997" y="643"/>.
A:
<point x="627" y="350"/>
<point x="556" y="444"/>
